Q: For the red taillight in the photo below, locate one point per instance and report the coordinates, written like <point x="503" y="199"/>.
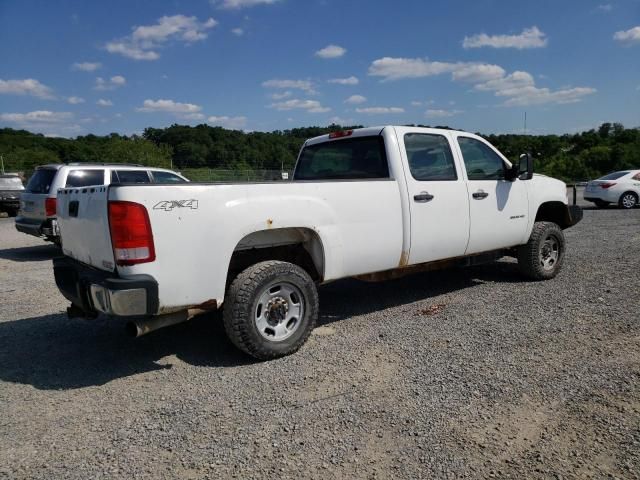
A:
<point x="607" y="185"/>
<point x="344" y="133"/>
<point x="131" y="235"/>
<point x="50" y="206"/>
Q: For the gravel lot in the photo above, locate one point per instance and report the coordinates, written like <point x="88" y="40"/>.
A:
<point x="465" y="373"/>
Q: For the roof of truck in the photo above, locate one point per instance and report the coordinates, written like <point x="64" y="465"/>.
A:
<point x="367" y="131"/>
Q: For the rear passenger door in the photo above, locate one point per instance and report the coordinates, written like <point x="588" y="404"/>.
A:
<point x="438" y="198"/>
<point x="498" y="208"/>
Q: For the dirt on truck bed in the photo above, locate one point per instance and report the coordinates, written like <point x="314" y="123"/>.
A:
<point x="465" y="373"/>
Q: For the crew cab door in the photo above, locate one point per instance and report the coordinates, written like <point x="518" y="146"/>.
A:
<point x="498" y="207"/>
<point x="438" y="199"/>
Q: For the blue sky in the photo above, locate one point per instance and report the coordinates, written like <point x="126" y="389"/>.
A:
<point x="76" y="67"/>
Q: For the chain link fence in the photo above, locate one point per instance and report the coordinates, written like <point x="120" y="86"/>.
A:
<point x="224" y="175"/>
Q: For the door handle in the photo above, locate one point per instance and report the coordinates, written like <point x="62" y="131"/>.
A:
<point x="423" y="197"/>
<point x="479" y="195"/>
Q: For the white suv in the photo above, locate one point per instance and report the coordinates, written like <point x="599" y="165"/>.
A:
<point x="622" y="188"/>
<point x="37" y="214"/>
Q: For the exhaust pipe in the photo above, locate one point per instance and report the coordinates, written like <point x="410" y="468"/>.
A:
<point x="137" y="328"/>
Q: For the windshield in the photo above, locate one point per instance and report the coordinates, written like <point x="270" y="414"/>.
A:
<point x="613" y="176"/>
<point x="40" y="181"/>
<point x="11" y="183"/>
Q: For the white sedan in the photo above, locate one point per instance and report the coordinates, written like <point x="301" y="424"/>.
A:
<point x="622" y="188"/>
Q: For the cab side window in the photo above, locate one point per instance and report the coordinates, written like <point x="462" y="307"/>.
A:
<point x="430" y="157"/>
<point x="132" y="176"/>
<point x="166" y="177"/>
<point x="636" y="176"/>
<point x="481" y="162"/>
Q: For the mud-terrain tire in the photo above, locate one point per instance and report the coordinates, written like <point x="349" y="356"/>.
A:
<point x="542" y="256"/>
<point x="270" y="309"/>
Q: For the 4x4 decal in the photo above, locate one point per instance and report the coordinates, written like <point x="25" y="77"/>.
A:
<point x="168" y="205"/>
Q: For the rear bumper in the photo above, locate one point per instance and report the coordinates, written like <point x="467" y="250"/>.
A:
<point x="37" y="227"/>
<point x="92" y="291"/>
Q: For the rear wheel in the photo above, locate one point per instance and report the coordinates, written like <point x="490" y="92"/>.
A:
<point x="542" y="256"/>
<point x="628" y="200"/>
<point x="601" y="203"/>
<point x="270" y="309"/>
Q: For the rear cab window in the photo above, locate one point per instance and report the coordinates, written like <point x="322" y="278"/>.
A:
<point x="85" y="178"/>
<point x="346" y="159"/>
<point x="41" y="180"/>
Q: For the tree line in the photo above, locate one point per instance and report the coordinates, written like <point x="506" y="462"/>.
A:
<point x="571" y="157"/>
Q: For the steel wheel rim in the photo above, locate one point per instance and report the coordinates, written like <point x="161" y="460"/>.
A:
<point x="628" y="201"/>
<point x="549" y="253"/>
<point x="279" y="311"/>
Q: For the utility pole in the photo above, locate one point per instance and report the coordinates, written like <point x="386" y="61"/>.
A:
<point x="525" y="123"/>
<point x="2" y="164"/>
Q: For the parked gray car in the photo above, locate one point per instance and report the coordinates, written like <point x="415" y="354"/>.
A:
<point x="10" y="190"/>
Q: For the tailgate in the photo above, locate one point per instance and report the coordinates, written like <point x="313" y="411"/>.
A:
<point x="84" y="226"/>
<point x="32" y="205"/>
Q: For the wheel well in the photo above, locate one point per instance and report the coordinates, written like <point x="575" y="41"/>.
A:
<point x="300" y="246"/>
<point x="556" y="212"/>
<point x="631" y="192"/>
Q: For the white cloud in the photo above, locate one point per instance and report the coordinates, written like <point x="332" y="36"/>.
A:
<point x="380" y="110"/>
<point x="439" y="113"/>
<point x="104" y="103"/>
<point x="518" y="87"/>
<point x="417" y="103"/>
<point x="529" y="38"/>
<point x="39" y="116"/>
<point x="345" y="81"/>
<point x="538" y="96"/>
<point x="331" y="51"/>
<point x="628" y="37"/>
<point x="311" y="106"/>
<point x="477" y="72"/>
<point x="280" y="96"/>
<point x="355" y="99"/>
<point x="110" y="84"/>
<point x="238" y="31"/>
<point x="605" y="7"/>
<point x="86" y="66"/>
<point x="145" y="40"/>
<point x="233" y="123"/>
<point x="520" y="90"/>
<point x="75" y="100"/>
<point x="169" y="106"/>
<point x="390" y="68"/>
<point x="238" y="4"/>
<point x="192" y="116"/>
<point x="28" y="86"/>
<point x="341" y="121"/>
<point x="304" y="85"/>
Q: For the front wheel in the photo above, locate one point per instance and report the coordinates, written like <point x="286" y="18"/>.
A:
<point x="270" y="309"/>
<point x="542" y="256"/>
<point x="628" y="200"/>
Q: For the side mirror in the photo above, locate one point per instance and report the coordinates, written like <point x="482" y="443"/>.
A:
<point x="525" y="167"/>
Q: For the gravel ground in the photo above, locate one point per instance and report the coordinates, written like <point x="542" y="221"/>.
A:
<point x="466" y="373"/>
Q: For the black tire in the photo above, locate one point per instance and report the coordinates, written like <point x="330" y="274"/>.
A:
<point x="601" y="203"/>
<point x="628" y="200"/>
<point x="535" y="257"/>
<point x="241" y="308"/>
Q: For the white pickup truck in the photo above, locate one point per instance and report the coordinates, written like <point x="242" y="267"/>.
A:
<point x="372" y="203"/>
